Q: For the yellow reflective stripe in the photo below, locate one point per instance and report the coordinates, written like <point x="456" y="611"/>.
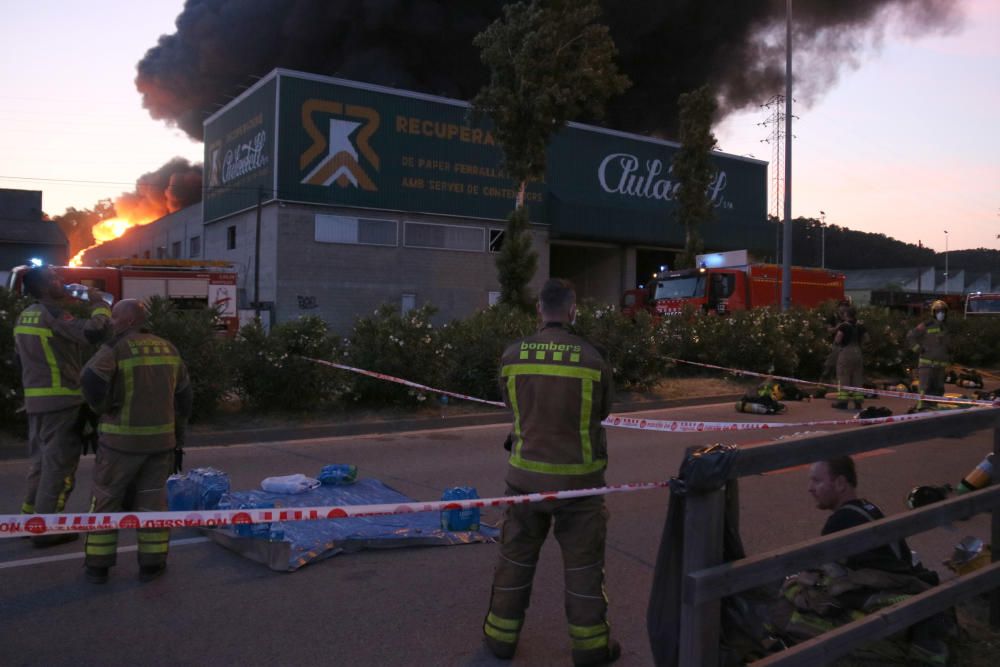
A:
<point x="102" y="538"/>
<point x="504" y="623"/>
<point x="151" y="360"/>
<point x="27" y="508"/>
<point x="557" y="468"/>
<point x="512" y="396"/>
<point x="154" y="535"/>
<point x="128" y="367"/>
<point x="32" y="331"/>
<point x="147" y="548"/>
<point x="55" y="387"/>
<point x="586" y="404"/>
<point x="101" y="310"/>
<point x="552" y="370"/>
<point x="932" y="362"/>
<point x="51" y="391"/>
<point x="121" y="429"/>
<point x="500" y="635"/>
<point x="587" y="376"/>
<point x="94" y="550"/>
<point x="586" y="631"/>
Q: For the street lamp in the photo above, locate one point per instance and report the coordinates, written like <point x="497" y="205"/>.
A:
<point x="946" y="262"/>
<point x="822" y="239"/>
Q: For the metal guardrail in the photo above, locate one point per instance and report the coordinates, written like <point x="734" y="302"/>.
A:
<point x="706" y="579"/>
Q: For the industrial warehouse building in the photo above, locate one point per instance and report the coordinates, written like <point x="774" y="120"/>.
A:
<point x="364" y="195"/>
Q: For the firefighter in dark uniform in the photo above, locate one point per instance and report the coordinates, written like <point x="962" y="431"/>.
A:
<point x="139" y="386"/>
<point x="930" y="341"/>
<point x="51" y="345"/>
<point x="560" y="390"/>
<point x="850" y="335"/>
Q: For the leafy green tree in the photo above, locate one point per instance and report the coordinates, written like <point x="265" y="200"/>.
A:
<point x="694" y="170"/>
<point x="549" y="63"/>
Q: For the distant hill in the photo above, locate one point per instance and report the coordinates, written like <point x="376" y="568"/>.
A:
<point x="851" y="249"/>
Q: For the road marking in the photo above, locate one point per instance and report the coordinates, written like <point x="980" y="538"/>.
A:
<point x="79" y="554"/>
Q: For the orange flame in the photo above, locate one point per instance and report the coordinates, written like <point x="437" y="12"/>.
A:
<point x="108" y="230"/>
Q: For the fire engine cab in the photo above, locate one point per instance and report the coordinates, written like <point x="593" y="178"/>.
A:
<point x="187" y="283"/>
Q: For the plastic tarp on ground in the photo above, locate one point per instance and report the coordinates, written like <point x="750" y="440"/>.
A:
<point x="299" y="543"/>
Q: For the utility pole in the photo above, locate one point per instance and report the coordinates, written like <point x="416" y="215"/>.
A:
<point x="786" y="259"/>
<point x="946" y="262"/>
<point x="822" y="240"/>
<point x="256" y="256"/>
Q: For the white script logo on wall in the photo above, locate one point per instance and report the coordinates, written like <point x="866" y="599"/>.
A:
<point x="335" y="156"/>
<point x="624" y="174"/>
<point x="240" y="160"/>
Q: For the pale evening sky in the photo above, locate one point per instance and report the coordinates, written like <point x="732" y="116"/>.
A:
<point x="907" y="145"/>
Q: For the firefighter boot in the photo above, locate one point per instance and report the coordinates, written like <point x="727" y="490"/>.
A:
<point x="151" y="572"/>
<point x="612" y="652"/>
<point x="96" y="575"/>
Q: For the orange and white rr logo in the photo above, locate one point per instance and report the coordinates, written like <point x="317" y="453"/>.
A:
<point x="335" y="155"/>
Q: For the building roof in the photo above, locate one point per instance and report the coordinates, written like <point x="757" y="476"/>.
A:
<point x="859" y="279"/>
<point x="31" y="231"/>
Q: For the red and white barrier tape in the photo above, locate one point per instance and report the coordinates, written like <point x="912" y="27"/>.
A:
<point x="390" y="378"/>
<point x="862" y="390"/>
<point x="673" y="426"/>
<point x="670" y="426"/>
<point x="17" y="525"/>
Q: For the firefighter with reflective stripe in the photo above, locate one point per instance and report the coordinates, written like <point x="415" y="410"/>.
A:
<point x="929" y="340"/>
<point x="560" y="389"/>
<point x="850" y="335"/>
<point x="139" y="386"/>
<point x="51" y="345"/>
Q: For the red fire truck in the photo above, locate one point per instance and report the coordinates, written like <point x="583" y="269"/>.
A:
<point x="719" y="287"/>
<point x="188" y="283"/>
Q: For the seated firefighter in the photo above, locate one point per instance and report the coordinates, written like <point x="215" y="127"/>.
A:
<point x="815" y="601"/>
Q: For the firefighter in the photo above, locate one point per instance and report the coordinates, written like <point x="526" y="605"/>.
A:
<point x="559" y="388"/>
<point x="929" y="340"/>
<point x="850" y="335"/>
<point x="50" y="344"/>
<point x="139" y="386"/>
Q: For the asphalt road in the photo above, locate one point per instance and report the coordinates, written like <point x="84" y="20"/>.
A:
<point x="411" y="606"/>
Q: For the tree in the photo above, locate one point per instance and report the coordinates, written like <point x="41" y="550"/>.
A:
<point x="694" y="170"/>
<point x="549" y="63"/>
<point x="77" y="223"/>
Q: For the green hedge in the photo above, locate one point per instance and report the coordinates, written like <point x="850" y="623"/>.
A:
<point x="266" y="370"/>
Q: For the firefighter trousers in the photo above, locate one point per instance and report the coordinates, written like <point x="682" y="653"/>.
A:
<point x="850" y="373"/>
<point x="580" y="527"/>
<point x="931" y="380"/>
<point x="124" y="482"/>
<point x="54" y="447"/>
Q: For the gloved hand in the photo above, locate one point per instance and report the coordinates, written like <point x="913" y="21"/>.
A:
<point x="508" y="444"/>
<point x="86" y="429"/>
<point x="180" y="438"/>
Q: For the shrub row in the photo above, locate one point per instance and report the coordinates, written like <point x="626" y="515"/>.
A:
<point x="267" y="371"/>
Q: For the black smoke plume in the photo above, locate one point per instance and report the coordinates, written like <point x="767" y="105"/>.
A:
<point x="666" y="47"/>
<point x="173" y="186"/>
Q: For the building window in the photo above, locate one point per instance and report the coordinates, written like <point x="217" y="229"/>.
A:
<point x="194" y="246"/>
<point x="408" y="303"/>
<point x="496" y="240"/>
<point x="145" y="254"/>
<point x="355" y="231"/>
<point x="494" y="297"/>
<point x="231" y="237"/>
<point x="444" y="237"/>
<point x="175" y="250"/>
<point x="161" y="252"/>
